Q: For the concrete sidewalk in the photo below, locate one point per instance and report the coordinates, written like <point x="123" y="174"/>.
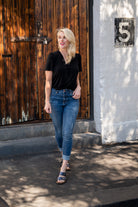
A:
<point x="99" y="175"/>
<point x="47" y="144"/>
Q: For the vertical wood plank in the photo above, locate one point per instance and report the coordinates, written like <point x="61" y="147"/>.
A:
<point x="18" y="62"/>
<point x="57" y="12"/>
<point x="10" y="69"/>
<point x="83" y="51"/>
<point x="76" y="20"/>
<point x="14" y="58"/>
<point x="27" y="56"/>
<point x="32" y="67"/>
<point x="63" y="13"/>
<point x="44" y="17"/>
<point x="14" y="48"/>
<point x="72" y="16"/>
<point x="39" y="73"/>
<point x="45" y="52"/>
<point x="23" y="61"/>
<point x="2" y="108"/>
<point x="88" y="69"/>
<point x="57" y="23"/>
<point x="6" y="64"/>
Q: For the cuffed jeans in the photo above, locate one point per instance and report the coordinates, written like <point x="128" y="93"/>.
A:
<point x="64" y="114"/>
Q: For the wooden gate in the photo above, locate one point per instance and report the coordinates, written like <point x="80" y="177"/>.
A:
<point x="22" y="58"/>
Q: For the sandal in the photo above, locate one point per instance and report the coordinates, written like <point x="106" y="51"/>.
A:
<point x="68" y="166"/>
<point x="62" y="176"/>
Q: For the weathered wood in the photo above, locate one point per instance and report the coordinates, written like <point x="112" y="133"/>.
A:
<point x="15" y="61"/>
<point x="88" y="60"/>
<point x="76" y="21"/>
<point x="1" y="67"/>
<point x="22" y="59"/>
<point x="32" y="66"/>
<point x="6" y="61"/>
<point x="83" y="51"/>
<point x="9" y="70"/>
<point x="38" y="15"/>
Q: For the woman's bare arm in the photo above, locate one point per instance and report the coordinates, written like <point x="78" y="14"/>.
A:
<point x="77" y="91"/>
<point x="48" y="86"/>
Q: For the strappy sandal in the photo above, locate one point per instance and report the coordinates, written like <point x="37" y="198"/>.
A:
<point x="62" y="176"/>
<point x="68" y="166"/>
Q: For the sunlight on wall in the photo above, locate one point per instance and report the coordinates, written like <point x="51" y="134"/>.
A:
<point x="118" y="77"/>
<point x="121" y="8"/>
<point x="136" y="3"/>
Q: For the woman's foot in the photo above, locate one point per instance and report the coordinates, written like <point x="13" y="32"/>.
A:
<point x="62" y="175"/>
<point x="68" y="166"/>
<point x="61" y="178"/>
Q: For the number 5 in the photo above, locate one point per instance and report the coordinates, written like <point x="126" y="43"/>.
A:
<point x="124" y="31"/>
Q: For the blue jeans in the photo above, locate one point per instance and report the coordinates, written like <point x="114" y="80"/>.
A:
<point x="64" y="114"/>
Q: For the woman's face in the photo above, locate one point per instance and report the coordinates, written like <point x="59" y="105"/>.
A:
<point x="63" y="43"/>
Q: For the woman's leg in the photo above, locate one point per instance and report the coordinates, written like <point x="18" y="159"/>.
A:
<point x="69" y="117"/>
<point x="57" y="116"/>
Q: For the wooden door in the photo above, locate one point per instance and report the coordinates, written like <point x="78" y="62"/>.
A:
<point x="17" y="62"/>
<point x="22" y="63"/>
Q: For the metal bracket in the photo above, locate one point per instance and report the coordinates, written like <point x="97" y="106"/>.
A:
<point x="39" y="28"/>
<point x="43" y="39"/>
<point x="7" y="55"/>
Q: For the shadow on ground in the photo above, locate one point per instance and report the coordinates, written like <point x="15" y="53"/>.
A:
<point x="30" y="180"/>
<point x="129" y="203"/>
<point x="3" y="203"/>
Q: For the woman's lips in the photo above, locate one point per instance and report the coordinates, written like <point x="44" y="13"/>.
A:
<point x="62" y="44"/>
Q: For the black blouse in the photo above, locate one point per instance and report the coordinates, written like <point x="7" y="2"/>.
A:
<point x="64" y="75"/>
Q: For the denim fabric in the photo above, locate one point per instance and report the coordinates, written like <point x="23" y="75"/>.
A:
<point x="64" y="114"/>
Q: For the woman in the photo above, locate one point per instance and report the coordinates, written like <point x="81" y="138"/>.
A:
<point x="62" y="93"/>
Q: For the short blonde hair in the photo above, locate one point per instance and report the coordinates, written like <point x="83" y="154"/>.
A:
<point x="71" y="50"/>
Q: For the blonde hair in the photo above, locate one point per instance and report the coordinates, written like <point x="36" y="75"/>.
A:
<point x="71" y="50"/>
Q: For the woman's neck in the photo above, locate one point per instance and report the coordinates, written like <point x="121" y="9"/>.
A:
<point x="63" y="51"/>
<point x="64" y="54"/>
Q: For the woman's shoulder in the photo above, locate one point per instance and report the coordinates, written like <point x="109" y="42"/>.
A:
<point x="51" y="60"/>
<point x="78" y="55"/>
<point x="53" y="56"/>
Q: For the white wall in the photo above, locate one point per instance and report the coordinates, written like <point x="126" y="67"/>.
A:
<point x="115" y="73"/>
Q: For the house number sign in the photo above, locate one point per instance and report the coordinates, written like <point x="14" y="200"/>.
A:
<point x="124" y="32"/>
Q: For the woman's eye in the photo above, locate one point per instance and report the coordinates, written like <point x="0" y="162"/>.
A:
<point x="59" y="37"/>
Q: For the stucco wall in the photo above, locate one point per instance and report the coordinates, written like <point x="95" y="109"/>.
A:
<point x="115" y="73"/>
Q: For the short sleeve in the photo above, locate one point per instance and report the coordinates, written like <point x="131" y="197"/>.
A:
<point x="79" y="59"/>
<point x="50" y="62"/>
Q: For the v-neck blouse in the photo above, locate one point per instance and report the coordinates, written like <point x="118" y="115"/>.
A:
<point x="64" y="75"/>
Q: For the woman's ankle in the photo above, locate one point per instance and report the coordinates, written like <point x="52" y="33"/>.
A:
<point x="64" y="166"/>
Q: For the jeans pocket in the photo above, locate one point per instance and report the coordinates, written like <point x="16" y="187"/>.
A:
<point x="55" y="96"/>
<point x="71" y="93"/>
<point x="54" y="92"/>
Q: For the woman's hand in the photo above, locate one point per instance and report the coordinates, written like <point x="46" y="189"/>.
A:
<point x="77" y="92"/>
<point x="47" y="107"/>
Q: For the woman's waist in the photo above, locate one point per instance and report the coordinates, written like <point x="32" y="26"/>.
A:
<point x="62" y="92"/>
